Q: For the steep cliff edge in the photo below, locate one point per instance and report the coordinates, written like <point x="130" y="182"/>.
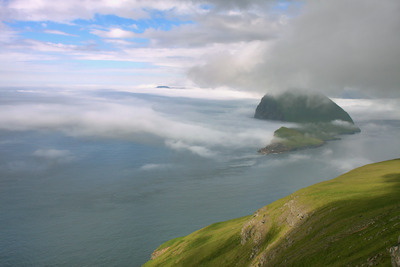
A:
<point x="352" y="220"/>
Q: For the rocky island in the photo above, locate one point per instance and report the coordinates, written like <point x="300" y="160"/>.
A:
<point x="319" y="118"/>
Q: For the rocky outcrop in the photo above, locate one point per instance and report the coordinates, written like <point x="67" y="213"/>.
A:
<point x="296" y="212"/>
<point x="158" y="253"/>
<point x="261" y="229"/>
<point x="275" y="148"/>
<point x="395" y="254"/>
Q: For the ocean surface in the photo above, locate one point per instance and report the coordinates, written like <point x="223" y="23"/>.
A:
<point x="102" y="178"/>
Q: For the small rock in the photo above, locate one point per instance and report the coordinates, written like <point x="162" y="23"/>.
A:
<point x="395" y="254"/>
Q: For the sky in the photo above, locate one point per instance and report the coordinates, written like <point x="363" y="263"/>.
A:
<point x="336" y="47"/>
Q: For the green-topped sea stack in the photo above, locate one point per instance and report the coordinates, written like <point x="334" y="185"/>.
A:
<point x="319" y="118"/>
<point x="300" y="107"/>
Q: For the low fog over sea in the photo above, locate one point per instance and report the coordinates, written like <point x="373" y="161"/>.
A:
<point x="101" y="177"/>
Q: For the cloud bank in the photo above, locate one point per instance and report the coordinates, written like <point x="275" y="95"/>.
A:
<point x="330" y="46"/>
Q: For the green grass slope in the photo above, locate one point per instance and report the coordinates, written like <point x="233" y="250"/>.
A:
<point x="352" y="220"/>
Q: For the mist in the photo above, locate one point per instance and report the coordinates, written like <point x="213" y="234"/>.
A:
<point x="202" y="126"/>
<point x="177" y="123"/>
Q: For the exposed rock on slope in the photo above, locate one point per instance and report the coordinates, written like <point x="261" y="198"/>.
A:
<point x="395" y="254"/>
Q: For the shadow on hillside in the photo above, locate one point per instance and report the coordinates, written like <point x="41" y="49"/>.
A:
<point x="392" y="178"/>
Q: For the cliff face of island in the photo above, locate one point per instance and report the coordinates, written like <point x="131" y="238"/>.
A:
<point x="319" y="118"/>
<point x="352" y="220"/>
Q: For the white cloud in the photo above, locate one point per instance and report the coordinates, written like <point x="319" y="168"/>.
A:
<point x="153" y="166"/>
<point x="217" y="28"/>
<point x="114" y="33"/>
<point x="230" y="67"/>
<point x="371" y="109"/>
<point x="59" y="33"/>
<point x="7" y="34"/>
<point x="52" y="153"/>
<point x="195" y="149"/>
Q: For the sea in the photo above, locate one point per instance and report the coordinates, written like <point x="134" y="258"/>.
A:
<point x="103" y="177"/>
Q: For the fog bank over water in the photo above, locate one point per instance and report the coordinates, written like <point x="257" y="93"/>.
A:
<point x="200" y="125"/>
<point x="179" y="123"/>
<point x="102" y="177"/>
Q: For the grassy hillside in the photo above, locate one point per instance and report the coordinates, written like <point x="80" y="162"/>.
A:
<point x="349" y="221"/>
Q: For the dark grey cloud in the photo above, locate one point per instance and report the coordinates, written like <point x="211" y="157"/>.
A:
<point x="236" y="4"/>
<point x="330" y="46"/>
<point x="218" y="28"/>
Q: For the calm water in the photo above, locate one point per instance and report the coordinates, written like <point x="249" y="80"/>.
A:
<point x="89" y="191"/>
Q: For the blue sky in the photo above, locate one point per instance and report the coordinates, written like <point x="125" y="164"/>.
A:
<point x="80" y="32"/>
<point x="248" y="45"/>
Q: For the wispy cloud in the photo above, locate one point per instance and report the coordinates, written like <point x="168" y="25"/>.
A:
<point x="114" y="33"/>
<point x="54" y="155"/>
<point x="47" y="10"/>
<point x="57" y="32"/>
<point x="153" y="166"/>
<point x="371" y="109"/>
<point x="195" y="149"/>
